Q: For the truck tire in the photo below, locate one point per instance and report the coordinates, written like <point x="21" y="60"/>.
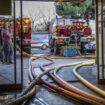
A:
<point x="56" y="49"/>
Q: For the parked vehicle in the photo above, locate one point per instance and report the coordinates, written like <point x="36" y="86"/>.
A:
<point x="26" y="33"/>
<point x="68" y="32"/>
<point x="40" y="40"/>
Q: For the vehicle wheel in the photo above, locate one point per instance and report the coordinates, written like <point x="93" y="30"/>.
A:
<point x="56" y="49"/>
<point x="44" y="47"/>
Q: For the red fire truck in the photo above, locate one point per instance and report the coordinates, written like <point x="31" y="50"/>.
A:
<point x="69" y="32"/>
<point x="26" y="31"/>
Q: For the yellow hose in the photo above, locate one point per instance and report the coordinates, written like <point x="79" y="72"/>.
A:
<point x="25" y="95"/>
<point x="67" y="92"/>
<point x="89" y="102"/>
<point x="55" y="71"/>
<point x="71" y="57"/>
<point x="28" y="93"/>
<point x="81" y="98"/>
<point x="85" y="82"/>
<point x="54" y="57"/>
<point x="93" y="37"/>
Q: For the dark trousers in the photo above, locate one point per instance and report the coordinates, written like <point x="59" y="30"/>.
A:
<point x="7" y="48"/>
<point x="1" y="55"/>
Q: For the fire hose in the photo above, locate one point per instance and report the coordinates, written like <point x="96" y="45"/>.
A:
<point x="27" y="54"/>
<point x="93" y="37"/>
<point x="54" y="57"/>
<point x="24" y="53"/>
<point x="70" y="87"/>
<point x="61" y="90"/>
<point x="76" y="90"/>
<point x="26" y="94"/>
<point x="85" y="82"/>
<point x="33" y="83"/>
<point x="68" y="92"/>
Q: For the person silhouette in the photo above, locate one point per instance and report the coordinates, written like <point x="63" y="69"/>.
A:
<point x="7" y="41"/>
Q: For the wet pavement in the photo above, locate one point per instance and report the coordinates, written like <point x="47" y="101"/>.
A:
<point x="46" y="96"/>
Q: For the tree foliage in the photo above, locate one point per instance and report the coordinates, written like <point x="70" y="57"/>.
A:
<point x="74" y="9"/>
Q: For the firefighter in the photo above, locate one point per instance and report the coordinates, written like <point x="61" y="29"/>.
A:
<point x="7" y="41"/>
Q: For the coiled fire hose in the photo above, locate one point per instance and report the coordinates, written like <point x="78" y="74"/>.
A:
<point x="32" y="84"/>
<point x="76" y="90"/>
<point x="72" y="88"/>
<point x="24" y="95"/>
<point x="69" y="93"/>
<point x="29" y="88"/>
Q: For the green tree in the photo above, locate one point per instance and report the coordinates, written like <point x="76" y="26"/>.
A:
<point x="74" y="9"/>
